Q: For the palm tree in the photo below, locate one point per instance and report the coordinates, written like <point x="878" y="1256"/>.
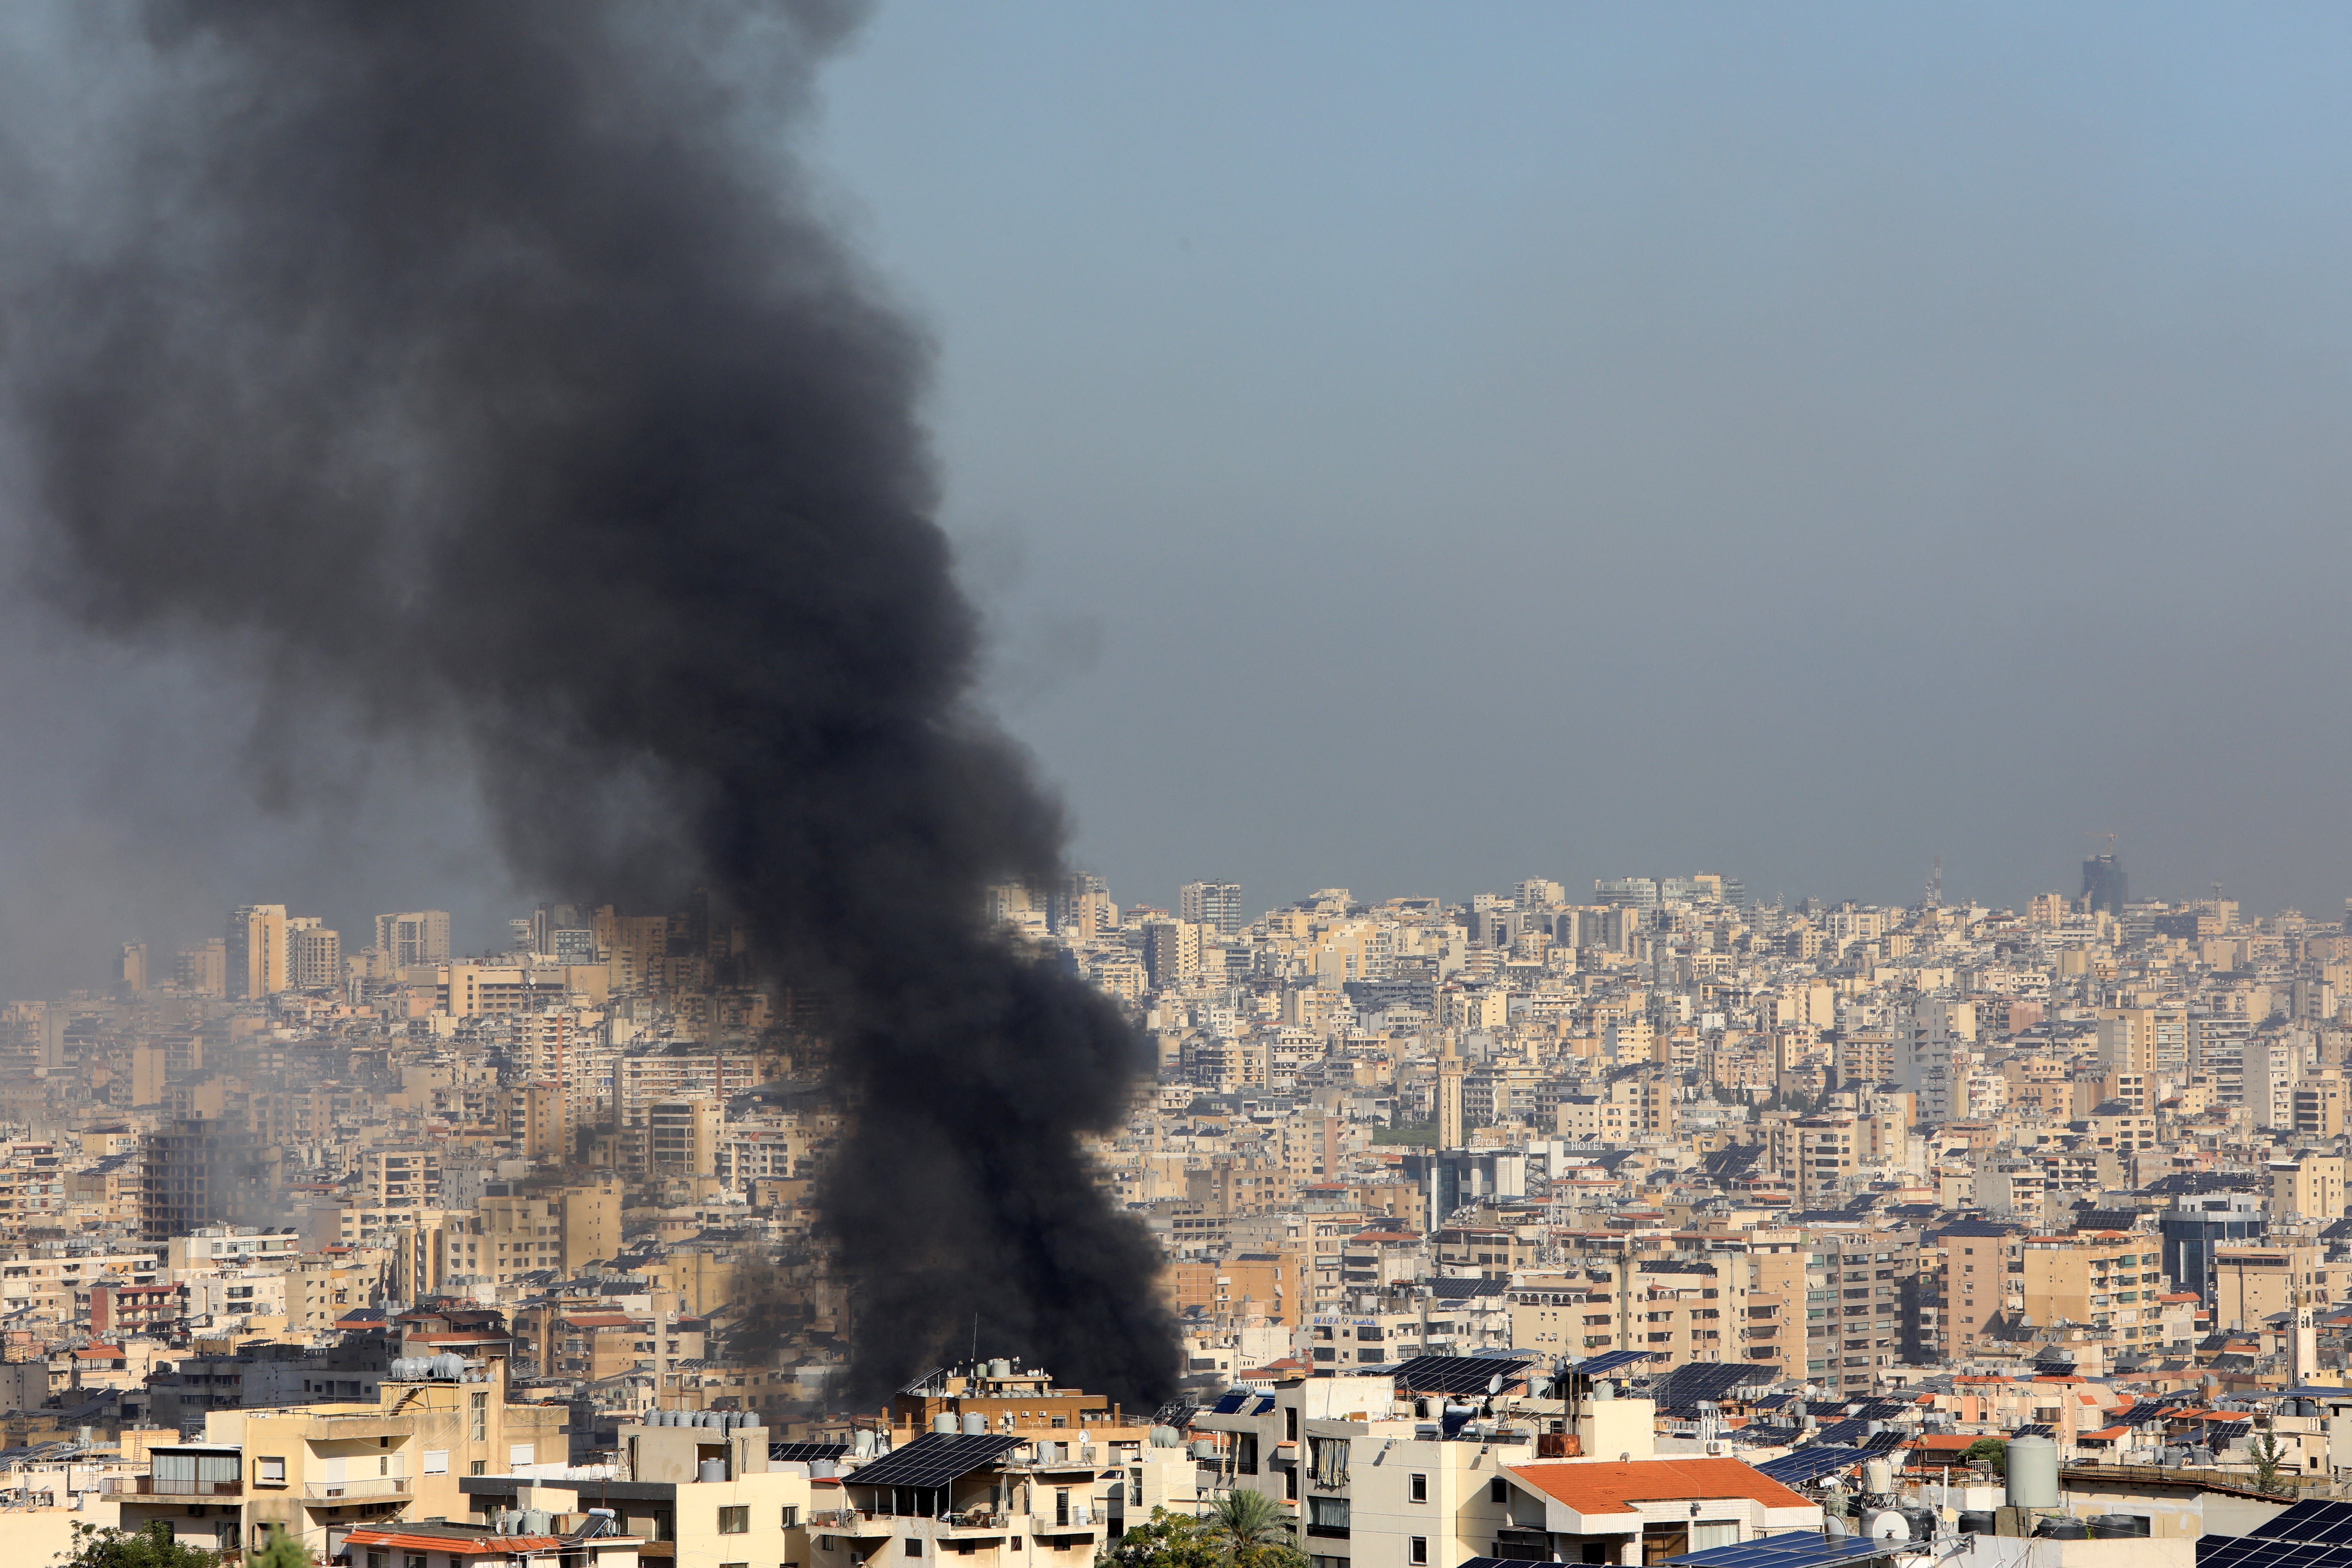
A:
<point x="1250" y="1529"/>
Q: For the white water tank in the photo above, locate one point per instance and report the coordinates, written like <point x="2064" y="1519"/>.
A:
<point x="975" y="1424"/>
<point x="943" y="1422"/>
<point x="2032" y="1472"/>
<point x="1878" y="1478"/>
<point x="1000" y="1368"/>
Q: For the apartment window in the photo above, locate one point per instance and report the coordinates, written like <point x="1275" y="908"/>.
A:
<point x="1327" y="1516"/>
<point x="415" y="1560"/>
<point x="1420" y="1551"/>
<point x="792" y="1521"/>
<point x="1499" y="1490"/>
<point x="268" y="1472"/>
<point x="735" y="1520"/>
<point x="478" y="1411"/>
<point x="914" y="1546"/>
<point x="1417" y="1489"/>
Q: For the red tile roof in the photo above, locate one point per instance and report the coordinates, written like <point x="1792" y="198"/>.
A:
<point x="463" y="1546"/>
<point x="1614" y="1489"/>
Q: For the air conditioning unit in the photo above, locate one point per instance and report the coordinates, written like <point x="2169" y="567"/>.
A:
<point x="1718" y="1446"/>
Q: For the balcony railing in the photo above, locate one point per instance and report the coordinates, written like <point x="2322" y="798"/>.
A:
<point x="354" y="1490"/>
<point x="169" y="1486"/>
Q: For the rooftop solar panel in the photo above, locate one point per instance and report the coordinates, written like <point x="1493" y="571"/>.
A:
<point x="2313" y="1522"/>
<point x="1791" y="1549"/>
<point x="1690" y="1383"/>
<point x="1851" y="1431"/>
<point x="804" y="1453"/>
<point x="1811" y="1462"/>
<point x="2263" y="1552"/>
<point x="2035" y="1429"/>
<point x="1229" y="1404"/>
<point x="1884" y="1442"/>
<point x="934" y="1459"/>
<point x="1607" y="1361"/>
<point x="1264" y="1406"/>
<point x="1456" y="1373"/>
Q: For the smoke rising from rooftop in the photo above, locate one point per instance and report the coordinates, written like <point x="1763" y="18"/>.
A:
<point x="493" y="372"/>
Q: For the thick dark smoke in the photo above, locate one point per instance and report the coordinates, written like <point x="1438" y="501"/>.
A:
<point x="491" y="366"/>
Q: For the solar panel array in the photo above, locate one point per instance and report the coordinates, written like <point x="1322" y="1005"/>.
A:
<point x="935" y="1459"/>
<point x="1849" y="1431"/>
<point x="1793" y="1549"/>
<point x="804" y="1453"/>
<point x="2314" y="1523"/>
<point x="2035" y="1429"/>
<point x="1508" y="1563"/>
<point x="2262" y="1551"/>
<point x="1811" y="1462"/>
<point x="1230" y="1404"/>
<point x="1607" y="1361"/>
<point x="1456" y="1373"/>
<point x="2141" y="1414"/>
<point x="1700" y="1380"/>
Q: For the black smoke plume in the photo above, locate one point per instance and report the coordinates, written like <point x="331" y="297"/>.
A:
<point x="494" y="367"/>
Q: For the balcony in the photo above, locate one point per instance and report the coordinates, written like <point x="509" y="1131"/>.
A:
<point x="851" y="1521"/>
<point x="973" y="1522"/>
<point x="358" y="1490"/>
<point x="128" y="1486"/>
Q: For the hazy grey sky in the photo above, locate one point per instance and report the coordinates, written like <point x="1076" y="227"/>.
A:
<point x="1448" y="445"/>
<point x="1417" y="447"/>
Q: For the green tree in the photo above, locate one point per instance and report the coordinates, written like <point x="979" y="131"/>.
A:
<point x="2267" y="1456"/>
<point x="1990" y="1452"/>
<point x="1250" y="1529"/>
<point x="102" y="1546"/>
<point x="1164" y="1540"/>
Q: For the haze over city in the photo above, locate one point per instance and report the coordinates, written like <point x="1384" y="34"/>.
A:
<point x="1365" y="786"/>
<point x="1412" y="457"/>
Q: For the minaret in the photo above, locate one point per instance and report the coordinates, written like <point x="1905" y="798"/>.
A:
<point x="1449" y="1095"/>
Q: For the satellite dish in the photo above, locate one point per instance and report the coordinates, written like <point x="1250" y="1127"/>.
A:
<point x="1494" y="1383"/>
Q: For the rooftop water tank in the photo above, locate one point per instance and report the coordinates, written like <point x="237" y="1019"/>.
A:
<point x="862" y="1444"/>
<point x="975" y="1424"/>
<point x="943" y="1422"/>
<point x="2032" y="1472"/>
<point x="710" y="1470"/>
<point x="1976" y="1521"/>
<point x="1878" y="1478"/>
<point x="1000" y="1368"/>
<point x="449" y="1365"/>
